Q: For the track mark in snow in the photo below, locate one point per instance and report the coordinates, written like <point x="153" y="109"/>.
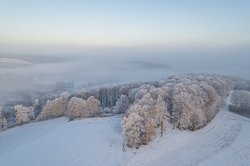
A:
<point x="222" y="144"/>
<point x="167" y="154"/>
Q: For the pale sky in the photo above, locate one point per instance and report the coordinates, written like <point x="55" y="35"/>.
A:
<point x="124" y="22"/>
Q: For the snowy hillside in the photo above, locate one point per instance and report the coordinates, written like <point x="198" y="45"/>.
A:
<point x="225" y="142"/>
<point x="98" y="141"/>
<point x="59" y="142"/>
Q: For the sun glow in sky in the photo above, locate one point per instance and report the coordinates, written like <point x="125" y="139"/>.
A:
<point x="124" y="22"/>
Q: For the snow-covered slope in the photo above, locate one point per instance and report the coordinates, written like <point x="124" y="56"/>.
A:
<point x="98" y="141"/>
<point x="59" y="142"/>
<point x="225" y="141"/>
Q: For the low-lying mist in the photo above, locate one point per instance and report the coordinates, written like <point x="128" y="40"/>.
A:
<point x="109" y="66"/>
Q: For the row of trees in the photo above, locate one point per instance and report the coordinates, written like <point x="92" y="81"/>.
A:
<point x="73" y="107"/>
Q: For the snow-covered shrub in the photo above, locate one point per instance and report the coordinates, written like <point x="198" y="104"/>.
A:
<point x="23" y="114"/>
<point x="122" y="104"/>
<point x="3" y="121"/>
<point x="55" y="108"/>
<point x="80" y="108"/>
<point x="240" y="102"/>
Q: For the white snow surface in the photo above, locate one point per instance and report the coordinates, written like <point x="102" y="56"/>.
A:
<point x="61" y="143"/>
<point x="98" y="141"/>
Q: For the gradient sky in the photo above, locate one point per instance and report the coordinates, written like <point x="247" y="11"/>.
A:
<point x="124" y="22"/>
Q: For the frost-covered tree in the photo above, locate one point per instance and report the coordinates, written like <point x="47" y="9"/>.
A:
<point x="3" y="122"/>
<point x="220" y="83"/>
<point x="55" y="108"/>
<point x="93" y="107"/>
<point x="194" y="105"/>
<point x="133" y="125"/>
<point x="138" y="93"/>
<point x="76" y="108"/>
<point x="37" y="107"/>
<point x="80" y="108"/>
<point x="150" y="110"/>
<point x="211" y="100"/>
<point x="241" y="84"/>
<point x="126" y="88"/>
<point x="240" y="102"/>
<point x="139" y="126"/>
<point x="23" y="114"/>
<point x="108" y="96"/>
<point x="122" y="104"/>
<point x="160" y="112"/>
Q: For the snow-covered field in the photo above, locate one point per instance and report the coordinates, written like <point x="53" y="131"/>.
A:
<point x="59" y="142"/>
<point x="98" y="141"/>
